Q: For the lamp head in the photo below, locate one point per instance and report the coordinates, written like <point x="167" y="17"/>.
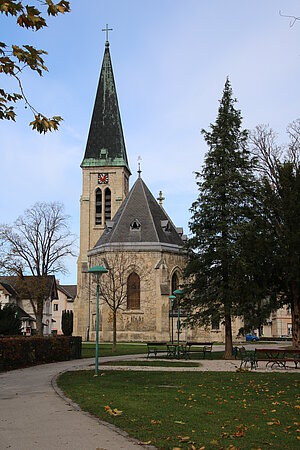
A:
<point x="178" y="292"/>
<point x="98" y="269"/>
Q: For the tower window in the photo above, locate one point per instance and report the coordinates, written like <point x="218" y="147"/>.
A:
<point x="133" y="291"/>
<point x="107" y="195"/>
<point x="135" y="225"/>
<point x="98" y="216"/>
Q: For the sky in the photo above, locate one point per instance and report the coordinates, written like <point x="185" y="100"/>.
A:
<point x="170" y="61"/>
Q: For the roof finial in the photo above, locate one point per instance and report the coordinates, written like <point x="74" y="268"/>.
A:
<point x="139" y="166"/>
<point x="107" y="30"/>
<point x="160" y="198"/>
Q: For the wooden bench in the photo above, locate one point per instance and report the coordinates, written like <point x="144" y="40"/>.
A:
<point x="203" y="348"/>
<point x="278" y="356"/>
<point x="156" y="347"/>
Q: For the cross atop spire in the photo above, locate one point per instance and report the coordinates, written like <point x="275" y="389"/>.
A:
<point x="160" y="198"/>
<point x="107" y="30"/>
<point x="139" y="166"/>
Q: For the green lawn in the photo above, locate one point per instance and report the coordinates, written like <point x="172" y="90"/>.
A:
<point x="155" y="363"/>
<point x="88" y="349"/>
<point x="213" y="410"/>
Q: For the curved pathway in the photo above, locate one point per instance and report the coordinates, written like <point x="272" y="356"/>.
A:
<point x="33" y="416"/>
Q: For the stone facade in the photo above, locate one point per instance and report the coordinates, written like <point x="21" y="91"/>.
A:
<point x="118" y="183"/>
<point x="151" y="321"/>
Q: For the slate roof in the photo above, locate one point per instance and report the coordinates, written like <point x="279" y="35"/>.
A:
<point x="69" y="290"/>
<point x="11" y="283"/>
<point x="105" y="145"/>
<point x="140" y="223"/>
<point x="23" y="315"/>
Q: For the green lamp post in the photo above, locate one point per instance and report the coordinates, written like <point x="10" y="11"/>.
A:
<point x="172" y="298"/>
<point x="179" y="294"/>
<point x="98" y="270"/>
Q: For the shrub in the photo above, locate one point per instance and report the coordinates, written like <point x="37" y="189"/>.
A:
<point x="10" y="324"/>
<point x="67" y="323"/>
<point x="24" y="351"/>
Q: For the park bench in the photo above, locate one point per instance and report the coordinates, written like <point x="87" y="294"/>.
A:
<point x="247" y="357"/>
<point x="278" y="356"/>
<point x="156" y="347"/>
<point x="203" y="348"/>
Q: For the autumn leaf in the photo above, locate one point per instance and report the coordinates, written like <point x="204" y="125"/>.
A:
<point x="155" y="422"/>
<point x="185" y="438"/>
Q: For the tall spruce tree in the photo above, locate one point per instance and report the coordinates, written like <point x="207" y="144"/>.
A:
<point x="220" y="216"/>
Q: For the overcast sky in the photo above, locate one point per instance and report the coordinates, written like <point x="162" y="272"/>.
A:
<point x="170" y="60"/>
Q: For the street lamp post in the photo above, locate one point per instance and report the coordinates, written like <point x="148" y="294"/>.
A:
<point x="179" y="294"/>
<point x="172" y="298"/>
<point x="98" y="270"/>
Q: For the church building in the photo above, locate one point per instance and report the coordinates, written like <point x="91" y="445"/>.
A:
<point x="129" y="233"/>
<point x="118" y="225"/>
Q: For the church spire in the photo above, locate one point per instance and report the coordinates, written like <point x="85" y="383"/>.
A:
<point x="105" y="145"/>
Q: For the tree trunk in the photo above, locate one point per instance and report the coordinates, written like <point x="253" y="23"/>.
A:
<point x="39" y="317"/>
<point x="296" y="318"/>
<point x="114" y="347"/>
<point x="228" y="335"/>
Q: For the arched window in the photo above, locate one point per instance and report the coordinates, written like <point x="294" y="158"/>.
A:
<point x="174" y="287"/>
<point x="98" y="215"/>
<point x="175" y="282"/>
<point x="133" y="291"/>
<point x="107" y="210"/>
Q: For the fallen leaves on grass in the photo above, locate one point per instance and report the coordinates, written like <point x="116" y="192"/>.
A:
<point x="112" y="412"/>
<point x="155" y="422"/>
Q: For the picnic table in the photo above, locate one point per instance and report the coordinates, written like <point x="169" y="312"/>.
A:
<point x="278" y="356"/>
<point x="177" y="351"/>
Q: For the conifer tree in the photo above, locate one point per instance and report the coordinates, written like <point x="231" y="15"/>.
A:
<point x="220" y="217"/>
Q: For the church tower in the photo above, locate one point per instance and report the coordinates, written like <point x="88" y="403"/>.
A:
<point x="105" y="172"/>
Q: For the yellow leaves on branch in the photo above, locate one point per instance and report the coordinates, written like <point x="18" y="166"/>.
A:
<point x="15" y="59"/>
<point x="42" y="124"/>
<point x="30" y="16"/>
<point x="112" y="412"/>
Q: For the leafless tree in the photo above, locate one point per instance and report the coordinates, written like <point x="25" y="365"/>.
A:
<point x="37" y="244"/>
<point x="293" y="151"/>
<point x="266" y="151"/>
<point x="113" y="286"/>
<point x="271" y="158"/>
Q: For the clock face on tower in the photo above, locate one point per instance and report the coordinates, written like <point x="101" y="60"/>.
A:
<point x="102" y="178"/>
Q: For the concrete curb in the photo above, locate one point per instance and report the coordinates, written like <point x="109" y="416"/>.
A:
<point x="76" y="407"/>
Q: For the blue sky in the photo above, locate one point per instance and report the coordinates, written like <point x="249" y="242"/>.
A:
<point x="170" y="61"/>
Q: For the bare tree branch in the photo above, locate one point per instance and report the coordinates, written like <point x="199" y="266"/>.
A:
<point x="266" y="151"/>
<point x="293" y="18"/>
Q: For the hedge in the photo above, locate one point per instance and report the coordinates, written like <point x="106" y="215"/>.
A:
<point x="16" y="352"/>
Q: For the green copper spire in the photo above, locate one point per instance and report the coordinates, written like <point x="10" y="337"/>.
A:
<point x="105" y="145"/>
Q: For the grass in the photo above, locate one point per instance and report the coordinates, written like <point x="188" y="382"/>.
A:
<point x="154" y="363"/>
<point x="201" y="409"/>
<point x="88" y="349"/>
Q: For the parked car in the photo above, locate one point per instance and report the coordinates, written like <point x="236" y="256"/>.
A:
<point x="252" y="337"/>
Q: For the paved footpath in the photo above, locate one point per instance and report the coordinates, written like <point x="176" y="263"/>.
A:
<point x="33" y="416"/>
